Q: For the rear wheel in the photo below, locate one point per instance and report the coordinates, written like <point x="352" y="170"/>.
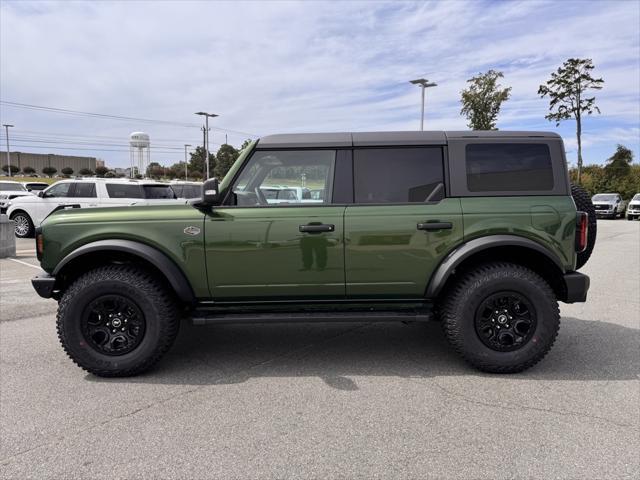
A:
<point x="117" y="321"/>
<point x="584" y="204"/>
<point x="501" y="317"/>
<point x="23" y="225"/>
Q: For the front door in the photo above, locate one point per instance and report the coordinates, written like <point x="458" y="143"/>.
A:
<point x="401" y="225"/>
<point x="273" y="238"/>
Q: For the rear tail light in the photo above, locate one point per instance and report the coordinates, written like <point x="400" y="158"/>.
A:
<point x="39" y="244"/>
<point x="582" y="227"/>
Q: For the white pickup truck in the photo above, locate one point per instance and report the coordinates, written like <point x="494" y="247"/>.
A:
<point x="29" y="211"/>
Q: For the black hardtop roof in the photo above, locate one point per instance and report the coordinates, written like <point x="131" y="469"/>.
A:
<point x="373" y="139"/>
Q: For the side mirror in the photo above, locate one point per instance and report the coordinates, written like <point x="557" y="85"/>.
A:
<point x="211" y="193"/>
<point x="41" y="193"/>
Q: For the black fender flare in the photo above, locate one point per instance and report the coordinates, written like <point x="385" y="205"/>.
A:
<point x="467" y="249"/>
<point x="158" y="259"/>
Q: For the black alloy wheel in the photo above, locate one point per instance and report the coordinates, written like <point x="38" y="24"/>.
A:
<point x="113" y="325"/>
<point x="505" y="321"/>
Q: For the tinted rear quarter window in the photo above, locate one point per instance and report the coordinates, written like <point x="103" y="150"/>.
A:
<point x="123" y="190"/>
<point x="12" y="187"/>
<point x="397" y="175"/>
<point x="508" y="167"/>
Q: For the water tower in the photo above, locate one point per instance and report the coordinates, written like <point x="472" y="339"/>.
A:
<point x="139" y="152"/>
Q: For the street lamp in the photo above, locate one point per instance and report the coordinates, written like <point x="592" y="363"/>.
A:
<point x="206" y="126"/>
<point x="186" y="173"/>
<point x="6" y="127"/>
<point x="424" y="83"/>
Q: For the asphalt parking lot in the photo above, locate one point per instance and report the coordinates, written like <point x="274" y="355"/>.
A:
<point x="330" y="400"/>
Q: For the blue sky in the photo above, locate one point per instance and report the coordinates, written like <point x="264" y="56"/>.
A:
<point x="269" y="67"/>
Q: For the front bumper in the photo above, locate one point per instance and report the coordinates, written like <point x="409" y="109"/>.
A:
<point x="602" y="213"/>
<point x="576" y="287"/>
<point x="44" y="285"/>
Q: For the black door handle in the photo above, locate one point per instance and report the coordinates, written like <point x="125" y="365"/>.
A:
<point x="435" y="226"/>
<point x="317" y="228"/>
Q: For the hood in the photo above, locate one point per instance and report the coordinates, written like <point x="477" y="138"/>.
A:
<point x="4" y="194"/>
<point x="158" y="211"/>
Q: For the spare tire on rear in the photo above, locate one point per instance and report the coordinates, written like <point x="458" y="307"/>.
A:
<point x="583" y="204"/>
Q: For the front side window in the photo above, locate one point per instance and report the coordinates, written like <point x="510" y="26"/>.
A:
<point x="59" y="190"/>
<point x="85" y="190"/>
<point x="508" y="167"/>
<point x="285" y="177"/>
<point x="397" y="175"/>
<point x="124" y="190"/>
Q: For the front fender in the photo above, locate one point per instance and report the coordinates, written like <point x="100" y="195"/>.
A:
<point x="167" y="267"/>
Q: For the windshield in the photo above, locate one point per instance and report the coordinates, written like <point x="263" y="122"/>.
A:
<point x="158" y="191"/>
<point x="37" y="186"/>
<point x="12" y="187"/>
<point x="636" y="197"/>
<point x="603" y="197"/>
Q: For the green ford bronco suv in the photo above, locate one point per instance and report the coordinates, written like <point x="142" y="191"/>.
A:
<point x="480" y="231"/>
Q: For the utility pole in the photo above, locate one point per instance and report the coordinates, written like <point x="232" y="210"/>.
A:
<point x="206" y="133"/>
<point x="6" y="128"/>
<point x="424" y="83"/>
<point x="186" y="173"/>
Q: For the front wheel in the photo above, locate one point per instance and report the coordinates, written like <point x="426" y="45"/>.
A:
<point x="501" y="317"/>
<point x="22" y="224"/>
<point x="117" y="321"/>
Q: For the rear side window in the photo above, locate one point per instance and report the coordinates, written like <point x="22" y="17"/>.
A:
<point x="85" y="189"/>
<point x="508" y="167"/>
<point x="158" y="191"/>
<point x="397" y="175"/>
<point x="123" y="190"/>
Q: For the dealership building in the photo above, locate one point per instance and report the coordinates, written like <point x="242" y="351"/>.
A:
<point x="38" y="161"/>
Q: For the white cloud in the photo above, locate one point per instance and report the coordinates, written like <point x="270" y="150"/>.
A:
<point x="312" y="66"/>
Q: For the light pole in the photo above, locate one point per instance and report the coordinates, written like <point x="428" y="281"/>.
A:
<point x="6" y="128"/>
<point x="206" y="147"/>
<point x="186" y="173"/>
<point x="424" y="83"/>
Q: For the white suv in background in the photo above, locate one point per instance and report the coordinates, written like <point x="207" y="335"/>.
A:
<point x="633" y="209"/>
<point x="29" y="212"/>
<point x="10" y="190"/>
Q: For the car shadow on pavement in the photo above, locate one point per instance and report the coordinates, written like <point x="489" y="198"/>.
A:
<point x="339" y="353"/>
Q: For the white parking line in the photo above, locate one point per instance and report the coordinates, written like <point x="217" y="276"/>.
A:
<point x="24" y="263"/>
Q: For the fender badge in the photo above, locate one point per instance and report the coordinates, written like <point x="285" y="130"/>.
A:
<point x="192" y="230"/>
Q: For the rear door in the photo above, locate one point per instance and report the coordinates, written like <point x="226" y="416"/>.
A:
<point x="84" y="194"/>
<point x="401" y="223"/>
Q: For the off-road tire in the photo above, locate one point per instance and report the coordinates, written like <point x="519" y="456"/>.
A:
<point x="584" y="204"/>
<point x="458" y="312"/>
<point x="157" y="303"/>
<point x="30" y="228"/>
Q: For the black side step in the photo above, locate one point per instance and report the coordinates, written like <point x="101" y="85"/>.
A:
<point x="209" y="318"/>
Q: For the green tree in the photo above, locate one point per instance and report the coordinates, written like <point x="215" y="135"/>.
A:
<point x="86" y="172"/>
<point x="14" y="169"/>
<point x="155" y="171"/>
<point x="68" y="171"/>
<point x="567" y="91"/>
<point x="245" y="144"/>
<point x="100" y="171"/>
<point x="196" y="163"/>
<point x="482" y="100"/>
<point x="619" y="164"/>
<point x="28" y="170"/>
<point x="225" y="158"/>
<point x="50" y="171"/>
<point x="110" y="174"/>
